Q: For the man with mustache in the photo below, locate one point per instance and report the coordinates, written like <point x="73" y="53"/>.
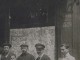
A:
<point x="25" y="55"/>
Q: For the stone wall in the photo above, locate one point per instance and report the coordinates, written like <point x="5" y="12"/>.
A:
<point x="31" y="36"/>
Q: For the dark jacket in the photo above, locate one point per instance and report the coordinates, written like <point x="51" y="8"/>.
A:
<point x="26" y="56"/>
<point x="8" y="57"/>
<point x="45" y="57"/>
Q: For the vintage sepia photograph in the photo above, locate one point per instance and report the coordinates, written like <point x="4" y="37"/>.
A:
<point x="39" y="29"/>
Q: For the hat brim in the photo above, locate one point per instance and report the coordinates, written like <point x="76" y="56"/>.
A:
<point x="6" y="44"/>
<point x="23" y="45"/>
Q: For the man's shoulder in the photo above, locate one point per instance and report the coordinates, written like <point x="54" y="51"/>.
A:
<point x="19" y="57"/>
<point x="69" y="58"/>
<point x="12" y="54"/>
<point x="46" y="56"/>
<point x="30" y="55"/>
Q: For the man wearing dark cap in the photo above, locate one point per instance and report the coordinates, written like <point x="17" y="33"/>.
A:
<point x="6" y="55"/>
<point x="25" y="55"/>
<point x="40" y="51"/>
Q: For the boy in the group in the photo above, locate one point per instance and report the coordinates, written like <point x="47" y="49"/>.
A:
<point x="13" y="57"/>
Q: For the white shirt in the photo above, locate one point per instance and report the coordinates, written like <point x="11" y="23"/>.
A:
<point x="67" y="57"/>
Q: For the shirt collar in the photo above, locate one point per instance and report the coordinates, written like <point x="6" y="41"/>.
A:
<point x="67" y="55"/>
<point x="41" y="55"/>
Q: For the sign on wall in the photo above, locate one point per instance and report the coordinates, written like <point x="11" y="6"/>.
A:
<point x="31" y="36"/>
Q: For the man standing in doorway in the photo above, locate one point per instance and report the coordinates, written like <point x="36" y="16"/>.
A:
<point x="65" y="53"/>
<point x="25" y="55"/>
<point x="40" y="51"/>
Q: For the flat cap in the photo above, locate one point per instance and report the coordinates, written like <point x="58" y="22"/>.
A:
<point x="39" y="46"/>
<point x="24" y="45"/>
<point x="7" y="44"/>
<point x="65" y="45"/>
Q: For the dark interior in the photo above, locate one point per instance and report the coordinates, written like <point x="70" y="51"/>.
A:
<point x="28" y="13"/>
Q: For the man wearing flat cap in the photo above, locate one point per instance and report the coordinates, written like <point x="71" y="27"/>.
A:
<point x="40" y="51"/>
<point x="6" y="54"/>
<point x="25" y="55"/>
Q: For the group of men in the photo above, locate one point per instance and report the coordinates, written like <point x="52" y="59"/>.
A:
<point x="7" y="55"/>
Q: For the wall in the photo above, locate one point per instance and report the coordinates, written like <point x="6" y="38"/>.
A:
<point x="31" y="36"/>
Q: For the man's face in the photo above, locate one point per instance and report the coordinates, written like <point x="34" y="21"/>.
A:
<point x="64" y="50"/>
<point x="39" y="52"/>
<point x="24" y="49"/>
<point x="6" y="49"/>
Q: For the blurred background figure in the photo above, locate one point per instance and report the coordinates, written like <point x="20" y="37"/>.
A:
<point x="40" y="52"/>
<point x="65" y="53"/>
